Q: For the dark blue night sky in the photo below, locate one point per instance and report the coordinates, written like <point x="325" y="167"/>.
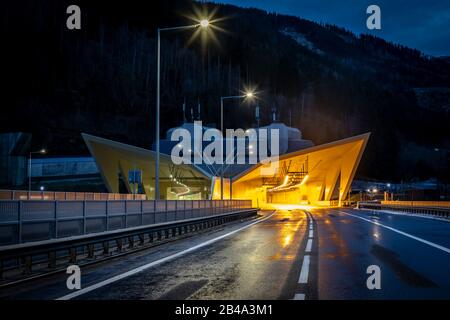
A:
<point x="420" y="24"/>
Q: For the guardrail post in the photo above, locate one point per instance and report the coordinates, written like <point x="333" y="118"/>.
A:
<point x="105" y="247"/>
<point x="90" y="249"/>
<point x="130" y="242"/>
<point x="27" y="263"/>
<point x="119" y="244"/>
<point x="52" y="259"/>
<point x="72" y="255"/>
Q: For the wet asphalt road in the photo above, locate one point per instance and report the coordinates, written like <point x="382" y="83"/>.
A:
<point x="410" y="269"/>
<point x="292" y="254"/>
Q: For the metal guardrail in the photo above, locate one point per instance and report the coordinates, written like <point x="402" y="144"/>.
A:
<point x="50" y="195"/>
<point x="412" y="203"/>
<point x="442" y="212"/>
<point x="26" y="221"/>
<point x="94" y="247"/>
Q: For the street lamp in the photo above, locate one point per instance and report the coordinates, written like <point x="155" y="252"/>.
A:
<point x="202" y="24"/>
<point x="42" y="151"/>
<point x="247" y="95"/>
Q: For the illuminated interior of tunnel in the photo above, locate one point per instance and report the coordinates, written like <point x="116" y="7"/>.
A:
<point x="317" y="176"/>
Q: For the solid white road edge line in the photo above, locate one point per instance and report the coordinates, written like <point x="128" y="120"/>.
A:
<point x="432" y="244"/>
<point x="155" y="263"/>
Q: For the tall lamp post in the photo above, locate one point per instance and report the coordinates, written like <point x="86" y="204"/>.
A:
<point x="202" y="24"/>
<point x="42" y="151"/>
<point x="248" y="95"/>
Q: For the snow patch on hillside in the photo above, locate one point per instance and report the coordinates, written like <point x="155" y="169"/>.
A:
<point x="301" y="40"/>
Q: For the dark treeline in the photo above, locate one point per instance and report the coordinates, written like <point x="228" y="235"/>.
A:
<point x="322" y="79"/>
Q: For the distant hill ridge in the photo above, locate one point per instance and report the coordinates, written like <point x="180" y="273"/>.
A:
<point x="320" y="78"/>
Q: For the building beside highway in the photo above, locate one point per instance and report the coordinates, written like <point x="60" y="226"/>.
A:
<point x="303" y="174"/>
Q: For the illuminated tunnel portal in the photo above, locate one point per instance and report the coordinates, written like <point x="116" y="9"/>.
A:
<point x="319" y="175"/>
<point x="313" y="176"/>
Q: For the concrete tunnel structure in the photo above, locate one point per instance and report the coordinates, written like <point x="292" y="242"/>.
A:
<point x="319" y="175"/>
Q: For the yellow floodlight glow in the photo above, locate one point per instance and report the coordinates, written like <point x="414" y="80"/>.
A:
<point x="305" y="178"/>
<point x="292" y="207"/>
<point x="287" y="240"/>
<point x="285" y="182"/>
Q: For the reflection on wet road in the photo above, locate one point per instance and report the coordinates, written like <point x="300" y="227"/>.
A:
<point x="405" y="248"/>
<point x="253" y="264"/>
<point x="292" y="254"/>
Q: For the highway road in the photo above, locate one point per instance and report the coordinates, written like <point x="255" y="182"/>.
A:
<point x="287" y="254"/>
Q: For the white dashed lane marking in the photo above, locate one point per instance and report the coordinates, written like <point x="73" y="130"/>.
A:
<point x="299" y="296"/>
<point x="305" y="270"/>
<point x="308" y="245"/>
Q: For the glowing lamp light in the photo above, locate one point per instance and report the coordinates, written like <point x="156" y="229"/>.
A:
<point x="204" y="23"/>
